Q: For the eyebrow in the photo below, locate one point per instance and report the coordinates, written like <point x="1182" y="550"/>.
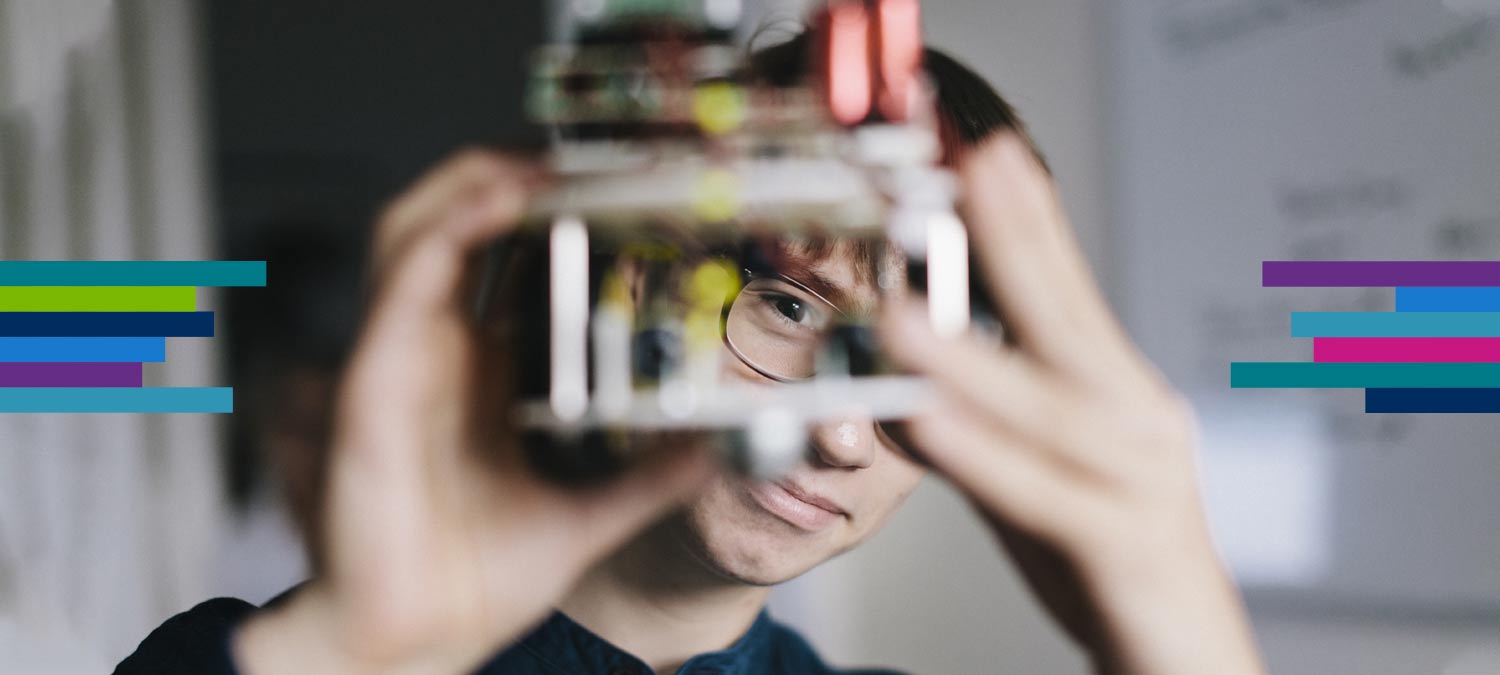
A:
<point x="797" y="267"/>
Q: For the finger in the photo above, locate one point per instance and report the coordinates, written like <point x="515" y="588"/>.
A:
<point x="612" y="514"/>
<point x="1032" y="262"/>
<point x="413" y="351"/>
<point x="426" y="274"/>
<point x="462" y="178"/>
<point x="1000" y="382"/>
<point x="997" y="471"/>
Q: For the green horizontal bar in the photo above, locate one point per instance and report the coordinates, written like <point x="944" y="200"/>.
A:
<point x="1395" y="324"/>
<point x="132" y="273"/>
<point x="117" y="400"/>
<point x="1300" y="375"/>
<point x="98" y="299"/>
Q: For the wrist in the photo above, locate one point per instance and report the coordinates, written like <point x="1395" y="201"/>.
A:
<point x="306" y="635"/>
<point x="296" y="635"/>
<point x="1177" y="611"/>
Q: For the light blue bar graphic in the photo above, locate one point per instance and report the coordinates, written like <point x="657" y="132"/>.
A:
<point x="116" y="400"/>
<point x="1395" y="324"/>
<point x="82" y="349"/>
<point x="132" y="273"/>
<point x="1448" y="299"/>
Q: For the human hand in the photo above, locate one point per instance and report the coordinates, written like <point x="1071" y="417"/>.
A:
<point x="1070" y="443"/>
<point x="439" y="544"/>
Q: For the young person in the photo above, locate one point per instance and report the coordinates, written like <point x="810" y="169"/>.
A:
<point x="438" y="550"/>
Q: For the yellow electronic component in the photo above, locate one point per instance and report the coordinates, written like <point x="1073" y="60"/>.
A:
<point x="707" y="289"/>
<point x="712" y="284"/>
<point x="719" y="107"/>
<point x="614" y="294"/>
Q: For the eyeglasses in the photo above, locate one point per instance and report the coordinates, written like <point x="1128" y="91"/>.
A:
<point x="777" y="325"/>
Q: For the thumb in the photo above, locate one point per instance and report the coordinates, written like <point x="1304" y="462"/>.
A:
<point x="613" y="513"/>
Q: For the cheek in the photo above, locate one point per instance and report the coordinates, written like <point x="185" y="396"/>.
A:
<point x="732" y="369"/>
<point x="885" y="486"/>
<point x="719" y="508"/>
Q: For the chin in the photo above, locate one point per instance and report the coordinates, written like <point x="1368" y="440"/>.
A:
<point x="735" y="538"/>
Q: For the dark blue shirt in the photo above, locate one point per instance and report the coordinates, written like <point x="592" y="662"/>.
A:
<point x="197" y="642"/>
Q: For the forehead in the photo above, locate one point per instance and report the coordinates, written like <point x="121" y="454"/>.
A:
<point x="845" y="271"/>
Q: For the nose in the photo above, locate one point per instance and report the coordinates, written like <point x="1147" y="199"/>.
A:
<point x="846" y="442"/>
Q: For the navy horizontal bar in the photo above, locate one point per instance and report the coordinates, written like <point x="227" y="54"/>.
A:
<point x="1432" y="400"/>
<point x="82" y="349"/>
<point x="132" y="273"/>
<point x="107" y="324"/>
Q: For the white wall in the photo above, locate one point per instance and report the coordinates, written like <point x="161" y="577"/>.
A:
<point x="107" y="522"/>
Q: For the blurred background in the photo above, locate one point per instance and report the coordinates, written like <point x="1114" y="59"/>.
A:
<point x="1192" y="139"/>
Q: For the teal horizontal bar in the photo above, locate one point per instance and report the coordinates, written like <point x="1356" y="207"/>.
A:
<point x="1395" y="324"/>
<point x="132" y="273"/>
<point x="1300" y="375"/>
<point x="115" y="400"/>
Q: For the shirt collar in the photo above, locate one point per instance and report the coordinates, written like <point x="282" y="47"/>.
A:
<point x="567" y="646"/>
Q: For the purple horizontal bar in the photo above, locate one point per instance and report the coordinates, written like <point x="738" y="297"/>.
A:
<point x="1380" y="273"/>
<point x="70" y="374"/>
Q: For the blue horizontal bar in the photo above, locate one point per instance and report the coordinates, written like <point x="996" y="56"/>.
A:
<point x="1395" y="324"/>
<point x="107" y="324"/>
<point x="1448" y="299"/>
<point x="82" y="349"/>
<point x="132" y="273"/>
<point x="1432" y="400"/>
<point x="116" y="400"/>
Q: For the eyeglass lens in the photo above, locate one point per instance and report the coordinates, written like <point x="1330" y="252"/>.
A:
<point x="779" y="328"/>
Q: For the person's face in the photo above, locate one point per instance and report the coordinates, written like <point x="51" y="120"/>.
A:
<point x="850" y="481"/>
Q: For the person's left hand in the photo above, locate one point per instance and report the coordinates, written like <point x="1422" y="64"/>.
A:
<point x="1070" y="443"/>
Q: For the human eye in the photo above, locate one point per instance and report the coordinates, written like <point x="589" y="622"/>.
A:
<point x="788" y="308"/>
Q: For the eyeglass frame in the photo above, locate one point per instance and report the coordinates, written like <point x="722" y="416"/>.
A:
<point x="751" y="275"/>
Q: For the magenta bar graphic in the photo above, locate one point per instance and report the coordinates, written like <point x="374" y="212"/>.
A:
<point x="70" y="374"/>
<point x="1406" y="350"/>
<point x="1377" y="273"/>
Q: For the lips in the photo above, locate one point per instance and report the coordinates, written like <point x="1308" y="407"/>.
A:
<point x="798" y="507"/>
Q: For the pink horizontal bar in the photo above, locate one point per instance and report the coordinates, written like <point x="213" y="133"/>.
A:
<point x="1406" y="350"/>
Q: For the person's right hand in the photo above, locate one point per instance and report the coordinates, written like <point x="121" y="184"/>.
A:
<point x="439" y="545"/>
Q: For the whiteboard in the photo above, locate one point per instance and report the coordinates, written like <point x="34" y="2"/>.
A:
<point x="1251" y="130"/>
